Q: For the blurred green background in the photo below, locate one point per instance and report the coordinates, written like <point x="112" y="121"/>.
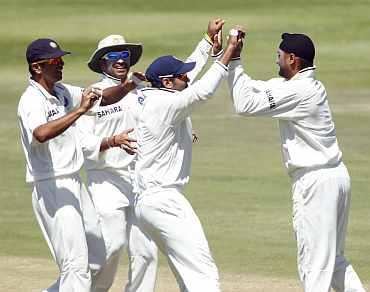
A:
<point x="238" y="187"/>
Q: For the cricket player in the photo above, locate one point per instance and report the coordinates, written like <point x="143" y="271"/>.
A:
<point x="110" y="170"/>
<point x="321" y="184"/>
<point x="47" y="112"/>
<point x="163" y="166"/>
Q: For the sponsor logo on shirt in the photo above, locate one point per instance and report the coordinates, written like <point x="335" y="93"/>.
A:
<point x="109" y="111"/>
<point x="53" y="112"/>
<point x="270" y="99"/>
<point x="140" y="99"/>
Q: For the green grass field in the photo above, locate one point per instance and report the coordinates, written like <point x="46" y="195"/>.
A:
<point x="238" y="187"/>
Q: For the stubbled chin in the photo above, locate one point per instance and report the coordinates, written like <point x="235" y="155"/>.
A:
<point x="121" y="72"/>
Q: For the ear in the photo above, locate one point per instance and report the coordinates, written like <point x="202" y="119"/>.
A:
<point x="36" y="68"/>
<point x="167" y="83"/>
<point x="292" y="58"/>
<point x="103" y="65"/>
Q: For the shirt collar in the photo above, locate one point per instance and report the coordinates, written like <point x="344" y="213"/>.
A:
<point x="41" y="89"/>
<point x="106" y="77"/>
<point x="308" y="72"/>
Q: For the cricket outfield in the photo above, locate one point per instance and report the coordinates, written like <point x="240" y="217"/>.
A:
<point x="238" y="187"/>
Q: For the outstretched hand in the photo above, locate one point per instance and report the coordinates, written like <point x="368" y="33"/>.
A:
<point x="136" y="77"/>
<point x="214" y="26"/>
<point x="214" y="32"/>
<point x="234" y="44"/>
<point x="236" y="37"/>
<point x="217" y="43"/>
<point x="89" y="96"/>
<point x="125" y="142"/>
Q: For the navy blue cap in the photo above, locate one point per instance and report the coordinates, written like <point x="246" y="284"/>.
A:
<point x="42" y="49"/>
<point x="299" y="44"/>
<point x="166" y="66"/>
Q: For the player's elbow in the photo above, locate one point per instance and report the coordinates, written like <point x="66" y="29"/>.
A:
<point x="40" y="135"/>
<point x="243" y="105"/>
<point x="240" y="109"/>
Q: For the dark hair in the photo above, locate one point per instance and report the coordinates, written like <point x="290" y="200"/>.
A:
<point x="303" y="63"/>
<point x="299" y="44"/>
<point x="30" y="69"/>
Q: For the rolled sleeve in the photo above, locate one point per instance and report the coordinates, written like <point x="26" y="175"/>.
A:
<point x="90" y="143"/>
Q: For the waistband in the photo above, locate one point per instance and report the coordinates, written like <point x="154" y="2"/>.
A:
<point x="155" y="190"/>
<point x="300" y="172"/>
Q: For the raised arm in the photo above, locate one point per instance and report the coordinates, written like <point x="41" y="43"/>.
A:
<point x="273" y="98"/>
<point x="114" y="94"/>
<point x="183" y="103"/>
<point x="201" y="53"/>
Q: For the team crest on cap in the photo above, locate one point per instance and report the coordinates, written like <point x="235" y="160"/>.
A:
<point x="53" y="45"/>
<point x="116" y="41"/>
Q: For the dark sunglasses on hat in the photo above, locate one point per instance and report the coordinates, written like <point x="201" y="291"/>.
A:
<point x="114" y="56"/>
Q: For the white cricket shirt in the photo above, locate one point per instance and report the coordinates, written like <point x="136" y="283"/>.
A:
<point x="306" y="127"/>
<point x="61" y="155"/>
<point x="106" y="121"/>
<point x="164" y="131"/>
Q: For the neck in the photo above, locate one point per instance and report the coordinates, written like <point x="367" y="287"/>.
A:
<point x="115" y="78"/>
<point x="293" y="71"/>
<point x="291" y="75"/>
<point x="49" y="86"/>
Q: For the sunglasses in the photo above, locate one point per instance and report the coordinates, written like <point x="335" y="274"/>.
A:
<point x="52" y="61"/>
<point x="182" y="77"/>
<point x="114" y="56"/>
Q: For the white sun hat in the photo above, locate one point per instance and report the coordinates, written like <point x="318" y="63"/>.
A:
<point x="114" y="43"/>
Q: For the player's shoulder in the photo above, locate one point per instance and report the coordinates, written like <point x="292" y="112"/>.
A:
<point x="30" y="99"/>
<point x="67" y="88"/>
<point x="30" y="96"/>
<point x="158" y="96"/>
<point x="159" y="92"/>
<point x="103" y="83"/>
<point x="276" y="81"/>
<point x="157" y="100"/>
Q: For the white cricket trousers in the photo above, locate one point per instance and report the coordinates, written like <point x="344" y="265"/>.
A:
<point x="321" y="201"/>
<point x="112" y="195"/>
<point x="171" y="222"/>
<point x="68" y="221"/>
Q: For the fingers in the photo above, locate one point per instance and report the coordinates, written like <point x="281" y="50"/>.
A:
<point x="240" y="28"/>
<point x="219" y="23"/>
<point x="124" y="139"/>
<point x="87" y="90"/>
<point x="218" y="37"/>
<point x="128" y="131"/>
<point x="238" y="31"/>
<point x="236" y="36"/>
<point x="214" y="26"/>
<point x="125" y="142"/>
<point x="130" y="149"/>
<point x="139" y="75"/>
<point x="90" y="97"/>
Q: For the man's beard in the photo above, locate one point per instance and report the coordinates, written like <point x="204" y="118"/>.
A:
<point x="282" y="73"/>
